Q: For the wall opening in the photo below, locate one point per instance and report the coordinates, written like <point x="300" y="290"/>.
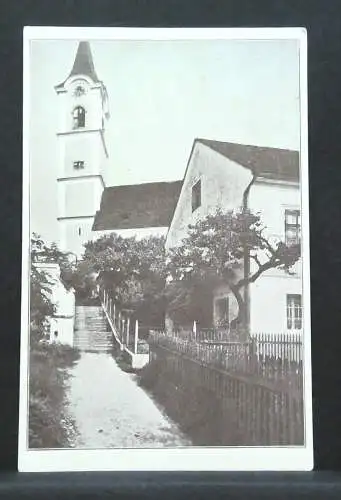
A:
<point x="196" y="195"/>
<point x="78" y="117"/>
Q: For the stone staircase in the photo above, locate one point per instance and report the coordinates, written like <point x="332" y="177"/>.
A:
<point x="92" y="333"/>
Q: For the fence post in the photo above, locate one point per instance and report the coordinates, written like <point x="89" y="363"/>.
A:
<point x="195" y="330"/>
<point x="128" y="328"/>
<point x="136" y="335"/>
<point x="114" y="314"/>
<point x="110" y="300"/>
<point x="122" y="331"/>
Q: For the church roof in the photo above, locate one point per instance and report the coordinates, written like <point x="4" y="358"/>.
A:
<point x="271" y="163"/>
<point x="83" y="64"/>
<point x="137" y="206"/>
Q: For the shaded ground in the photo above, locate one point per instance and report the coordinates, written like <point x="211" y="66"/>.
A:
<point x="110" y="410"/>
<point x="49" y="424"/>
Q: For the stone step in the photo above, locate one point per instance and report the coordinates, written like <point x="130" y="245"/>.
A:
<point x="93" y="343"/>
<point x="101" y="324"/>
<point x="89" y="307"/>
<point x="92" y="333"/>
<point x="86" y="341"/>
<point x="86" y="319"/>
<point x="99" y="328"/>
<point x="83" y="345"/>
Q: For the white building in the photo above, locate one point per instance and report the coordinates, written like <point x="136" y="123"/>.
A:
<point x="86" y="207"/>
<point x="219" y="174"/>
<point x="61" y="324"/>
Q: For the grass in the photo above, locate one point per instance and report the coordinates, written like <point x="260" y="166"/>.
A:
<point x="49" y="424"/>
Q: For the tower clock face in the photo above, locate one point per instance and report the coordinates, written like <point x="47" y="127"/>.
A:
<point x="79" y="90"/>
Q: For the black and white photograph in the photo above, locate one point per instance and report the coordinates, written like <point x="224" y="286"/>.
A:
<point x="166" y="284"/>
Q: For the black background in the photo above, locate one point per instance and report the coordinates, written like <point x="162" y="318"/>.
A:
<point x="323" y="22"/>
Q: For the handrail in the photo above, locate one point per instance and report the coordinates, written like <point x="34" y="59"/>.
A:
<point x="119" y="321"/>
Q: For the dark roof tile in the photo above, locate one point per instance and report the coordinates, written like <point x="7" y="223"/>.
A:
<point x="137" y="206"/>
<point x="271" y="163"/>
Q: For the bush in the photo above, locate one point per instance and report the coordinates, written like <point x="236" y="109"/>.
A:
<point x="48" y="427"/>
<point x="142" y="347"/>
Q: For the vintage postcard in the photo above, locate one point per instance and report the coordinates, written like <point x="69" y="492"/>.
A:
<point x="166" y="285"/>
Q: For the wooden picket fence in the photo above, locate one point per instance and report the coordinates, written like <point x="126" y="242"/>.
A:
<point x="258" y="384"/>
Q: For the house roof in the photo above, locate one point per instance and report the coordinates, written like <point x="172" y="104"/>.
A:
<point x="83" y="64"/>
<point x="137" y="206"/>
<point x="271" y="163"/>
<point x="153" y="204"/>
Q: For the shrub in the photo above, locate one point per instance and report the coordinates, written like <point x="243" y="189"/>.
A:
<point x="47" y="384"/>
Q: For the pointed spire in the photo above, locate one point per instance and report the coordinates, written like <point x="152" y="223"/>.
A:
<point x="83" y="64"/>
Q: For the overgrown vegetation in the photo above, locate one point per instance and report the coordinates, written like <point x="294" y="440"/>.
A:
<point x="224" y="248"/>
<point x="131" y="270"/>
<point x="49" y="424"/>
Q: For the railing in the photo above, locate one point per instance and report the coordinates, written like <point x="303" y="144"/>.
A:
<point x="125" y="331"/>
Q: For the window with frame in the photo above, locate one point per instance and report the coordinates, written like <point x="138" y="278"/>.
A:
<point x="196" y="195"/>
<point x="78" y="165"/>
<point x="294" y="312"/>
<point x="78" y="117"/>
<point x="292" y="227"/>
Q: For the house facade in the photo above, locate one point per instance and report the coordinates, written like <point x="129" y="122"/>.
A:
<point x="226" y="176"/>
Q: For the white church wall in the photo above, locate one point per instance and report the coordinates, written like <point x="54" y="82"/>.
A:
<point x="77" y="149"/>
<point x="74" y="233"/>
<point x="80" y="189"/>
<point x="91" y="101"/>
<point x="82" y="196"/>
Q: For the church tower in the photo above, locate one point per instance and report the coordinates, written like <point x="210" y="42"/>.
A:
<point x="82" y="150"/>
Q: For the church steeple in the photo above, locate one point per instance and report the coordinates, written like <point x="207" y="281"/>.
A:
<point x="83" y="64"/>
<point x="83" y="156"/>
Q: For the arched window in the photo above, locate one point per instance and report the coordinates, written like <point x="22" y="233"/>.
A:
<point x="78" y="117"/>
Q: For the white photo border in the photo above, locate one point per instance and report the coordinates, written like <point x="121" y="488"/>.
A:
<point x="291" y="458"/>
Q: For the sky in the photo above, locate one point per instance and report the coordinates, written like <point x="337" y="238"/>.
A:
<point x="163" y="95"/>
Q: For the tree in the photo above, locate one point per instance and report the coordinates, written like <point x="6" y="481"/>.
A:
<point x="132" y="270"/>
<point x="216" y="250"/>
<point x="41" y="252"/>
<point x="41" y="306"/>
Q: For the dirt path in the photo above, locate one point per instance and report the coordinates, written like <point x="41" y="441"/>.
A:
<point x="110" y="410"/>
